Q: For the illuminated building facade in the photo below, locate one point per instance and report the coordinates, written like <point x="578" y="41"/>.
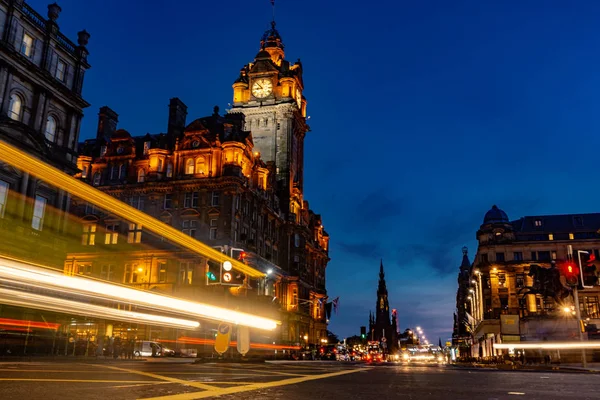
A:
<point x="498" y="305"/>
<point x="222" y="181"/>
<point x="41" y="79"/>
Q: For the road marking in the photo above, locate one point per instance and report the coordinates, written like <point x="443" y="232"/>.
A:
<point x="268" y="371"/>
<point x="71" y="380"/>
<point x="544" y="377"/>
<point x="517" y="393"/>
<point x="143" y="384"/>
<point x="255" y="386"/>
<point x="162" y="377"/>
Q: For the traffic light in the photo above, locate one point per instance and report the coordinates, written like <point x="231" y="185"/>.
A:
<point x="571" y="273"/>
<point x="363" y="332"/>
<point x="239" y="255"/>
<point x="589" y="271"/>
<point x="213" y="272"/>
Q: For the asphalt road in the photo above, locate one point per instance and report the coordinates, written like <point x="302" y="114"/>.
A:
<point x="182" y="381"/>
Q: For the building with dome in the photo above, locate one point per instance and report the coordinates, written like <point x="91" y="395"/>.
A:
<point x="494" y="302"/>
<point x="232" y="180"/>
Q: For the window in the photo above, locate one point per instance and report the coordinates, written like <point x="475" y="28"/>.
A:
<point x="296" y="240"/>
<point x="114" y="172"/>
<point x="499" y="257"/>
<point x="134" y="235"/>
<point x="544" y="256"/>
<point x="122" y="171"/>
<point x="571" y="236"/>
<point x="112" y="234"/>
<point x="168" y="201"/>
<point x="39" y="209"/>
<point x="533" y="256"/>
<point x="96" y="181"/>
<point x="215" y="199"/>
<point x="189" y="166"/>
<point x="190" y="200"/>
<point x="502" y="280"/>
<point x="162" y="271"/>
<point x="137" y="202"/>
<point x="169" y="170"/>
<point x="520" y="281"/>
<point x="591" y="307"/>
<point x="200" y="165"/>
<point x="141" y="175"/>
<point x="27" y="45"/>
<point x="213" y="233"/>
<point x="15" y="107"/>
<point x="50" y="132"/>
<point x="518" y="256"/>
<point x="578" y="221"/>
<point x="128" y="273"/>
<point x="189" y="227"/>
<point x="3" y="197"/>
<point x="554" y="255"/>
<point x="160" y="165"/>
<point x="88" y="238"/>
<point x="537" y="222"/>
<point x="484" y="258"/>
<point x="107" y="271"/>
<point x="146" y="148"/>
<point x="186" y="272"/>
<point x="84" y="171"/>
<point x="90" y="208"/>
<point x="550" y="236"/>
<point x="61" y="68"/>
<point x="84" y="269"/>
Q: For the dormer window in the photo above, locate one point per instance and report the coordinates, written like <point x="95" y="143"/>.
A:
<point x="578" y="221"/>
<point x="537" y="222"/>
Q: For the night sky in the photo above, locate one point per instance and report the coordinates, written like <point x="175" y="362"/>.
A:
<point x="423" y="114"/>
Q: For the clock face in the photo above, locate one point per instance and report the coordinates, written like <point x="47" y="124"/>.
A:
<point x="299" y="97"/>
<point x="262" y="88"/>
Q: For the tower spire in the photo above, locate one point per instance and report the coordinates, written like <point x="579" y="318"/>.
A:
<point x="273" y="6"/>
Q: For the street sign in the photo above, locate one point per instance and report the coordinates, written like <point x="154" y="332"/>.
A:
<point x="243" y="340"/>
<point x="222" y="339"/>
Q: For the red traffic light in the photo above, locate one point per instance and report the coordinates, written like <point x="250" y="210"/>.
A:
<point x="571" y="270"/>
<point x="242" y="256"/>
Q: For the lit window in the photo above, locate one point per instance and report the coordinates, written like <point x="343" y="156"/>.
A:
<point x="84" y="171"/>
<point x="135" y="233"/>
<point x="169" y="170"/>
<point x="27" y="45"/>
<point x="538" y="222"/>
<point x="189" y="166"/>
<point x="3" y="197"/>
<point x="160" y="165"/>
<point x="141" y="176"/>
<point x="200" y="165"/>
<point x="84" y="269"/>
<point x="50" y="132"/>
<point x="88" y="238"/>
<point x="61" y="68"/>
<point x="186" y="270"/>
<point x="15" y="107"/>
<point x="39" y="209"/>
<point x="112" y="234"/>
<point x="550" y="236"/>
<point x="97" y="179"/>
<point x="571" y="236"/>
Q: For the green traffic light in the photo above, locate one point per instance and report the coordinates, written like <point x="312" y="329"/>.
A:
<point x="211" y="276"/>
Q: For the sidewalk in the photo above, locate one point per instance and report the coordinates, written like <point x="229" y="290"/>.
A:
<point x="591" y="367"/>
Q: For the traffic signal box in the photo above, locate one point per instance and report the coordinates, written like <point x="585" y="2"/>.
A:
<point x="224" y="274"/>
<point x="588" y="271"/>
<point x="571" y="273"/>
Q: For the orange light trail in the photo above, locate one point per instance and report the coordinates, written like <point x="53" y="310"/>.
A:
<point x="263" y="346"/>
<point x="28" y="324"/>
<point x="54" y="176"/>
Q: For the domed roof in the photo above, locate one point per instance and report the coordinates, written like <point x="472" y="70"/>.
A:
<point x="495" y="215"/>
<point x="271" y="38"/>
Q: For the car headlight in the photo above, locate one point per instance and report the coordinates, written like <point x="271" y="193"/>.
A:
<point x="405" y="356"/>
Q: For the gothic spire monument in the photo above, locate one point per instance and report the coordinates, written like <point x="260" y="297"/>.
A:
<point x="381" y="325"/>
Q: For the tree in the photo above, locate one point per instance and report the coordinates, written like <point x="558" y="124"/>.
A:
<point x="332" y="338"/>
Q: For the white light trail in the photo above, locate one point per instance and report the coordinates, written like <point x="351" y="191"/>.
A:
<point x="25" y="299"/>
<point x="28" y="274"/>
<point x="549" y="345"/>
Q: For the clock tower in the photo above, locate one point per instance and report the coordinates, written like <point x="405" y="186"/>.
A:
<point x="268" y="92"/>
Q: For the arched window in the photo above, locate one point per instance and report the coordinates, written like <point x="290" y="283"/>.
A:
<point x="50" y="132"/>
<point x="15" y="107"/>
<point x="97" y="179"/>
<point x="169" y="170"/>
<point x="200" y="165"/>
<point x="141" y="175"/>
<point x="189" y="166"/>
<point x="122" y="171"/>
<point x="114" y="172"/>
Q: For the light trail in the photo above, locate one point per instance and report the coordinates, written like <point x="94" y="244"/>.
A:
<point x="23" y="273"/>
<point x="24" y="299"/>
<point x="549" y="345"/>
<point x="55" y="177"/>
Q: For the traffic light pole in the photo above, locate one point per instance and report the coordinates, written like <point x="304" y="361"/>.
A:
<point x="578" y="316"/>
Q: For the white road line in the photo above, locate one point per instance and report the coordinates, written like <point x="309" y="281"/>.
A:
<point x="517" y="393"/>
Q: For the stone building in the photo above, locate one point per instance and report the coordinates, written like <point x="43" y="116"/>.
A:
<point x="461" y="334"/>
<point x="219" y="179"/>
<point x="41" y="106"/>
<point x="382" y="328"/>
<point x="506" y="298"/>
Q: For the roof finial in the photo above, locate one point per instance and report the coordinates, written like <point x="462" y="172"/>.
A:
<point x="273" y="6"/>
<point x="465" y="250"/>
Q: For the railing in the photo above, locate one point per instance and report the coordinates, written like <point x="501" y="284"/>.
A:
<point x="33" y="16"/>
<point x="65" y="42"/>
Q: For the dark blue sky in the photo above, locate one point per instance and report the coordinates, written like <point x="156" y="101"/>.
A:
<point x="423" y="115"/>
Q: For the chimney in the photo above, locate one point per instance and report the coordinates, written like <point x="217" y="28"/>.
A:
<point x="177" y="115"/>
<point x="107" y="123"/>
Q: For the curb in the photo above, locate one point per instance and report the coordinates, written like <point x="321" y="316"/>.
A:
<point x="567" y="370"/>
